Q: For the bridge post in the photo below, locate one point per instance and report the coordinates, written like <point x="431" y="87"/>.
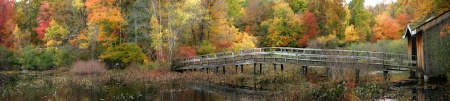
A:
<point x="236" y="66"/>
<point x="275" y="67"/>
<point x="254" y="68"/>
<point x="207" y="70"/>
<point x="217" y="70"/>
<point x="327" y="72"/>
<point x="412" y="74"/>
<point x="304" y="70"/>
<point x="223" y="69"/>
<point x="385" y="75"/>
<point x="242" y="68"/>
<point x="281" y="67"/>
<point x="234" y="61"/>
<point x="356" y="75"/>
<point x="260" y="68"/>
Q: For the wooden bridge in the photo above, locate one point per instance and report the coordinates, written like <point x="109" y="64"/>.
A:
<point x="300" y="56"/>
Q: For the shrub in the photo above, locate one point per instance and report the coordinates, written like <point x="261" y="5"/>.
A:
<point x="186" y="51"/>
<point x="88" y="67"/>
<point x="123" y="54"/>
<point x="64" y="57"/>
<point x="390" y="46"/>
<point x="45" y="59"/>
<point x="8" y="58"/>
<point x="206" y="48"/>
<point x="37" y="59"/>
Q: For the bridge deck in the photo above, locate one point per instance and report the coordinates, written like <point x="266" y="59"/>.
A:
<point x="303" y="56"/>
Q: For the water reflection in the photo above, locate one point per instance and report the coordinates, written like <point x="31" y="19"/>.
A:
<point x="417" y="92"/>
<point x="37" y="89"/>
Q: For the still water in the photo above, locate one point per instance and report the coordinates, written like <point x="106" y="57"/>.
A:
<point x="32" y="88"/>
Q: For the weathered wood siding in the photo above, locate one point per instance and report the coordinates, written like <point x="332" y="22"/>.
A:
<point x="419" y="46"/>
<point x="436" y="49"/>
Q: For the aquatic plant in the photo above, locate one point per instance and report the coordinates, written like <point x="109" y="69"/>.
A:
<point x="88" y="67"/>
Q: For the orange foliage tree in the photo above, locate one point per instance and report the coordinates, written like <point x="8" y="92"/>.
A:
<point x="386" y="28"/>
<point x="403" y="19"/>
<point x="106" y="19"/>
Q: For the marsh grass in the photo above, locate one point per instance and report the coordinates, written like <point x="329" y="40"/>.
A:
<point x="288" y="84"/>
<point x="88" y="67"/>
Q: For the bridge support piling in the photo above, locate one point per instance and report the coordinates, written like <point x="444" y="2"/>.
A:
<point x="254" y="68"/>
<point x="207" y="70"/>
<point x="236" y="66"/>
<point x="275" y="67"/>
<point x="356" y="75"/>
<point x="282" y="67"/>
<point x="412" y="74"/>
<point x="217" y="70"/>
<point x="242" y="68"/>
<point x="304" y="70"/>
<point x="385" y="75"/>
<point x="223" y="69"/>
<point x="260" y="68"/>
<point x="327" y="72"/>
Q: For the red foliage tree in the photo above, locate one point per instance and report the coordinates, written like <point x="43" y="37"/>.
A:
<point x="6" y="23"/>
<point x="43" y="20"/>
<point x="404" y="19"/>
<point x="186" y="51"/>
<point x="311" y="29"/>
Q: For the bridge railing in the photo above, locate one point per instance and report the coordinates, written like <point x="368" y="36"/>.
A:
<point x="285" y="54"/>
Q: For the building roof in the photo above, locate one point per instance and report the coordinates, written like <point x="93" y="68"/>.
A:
<point x="409" y="32"/>
<point x="412" y="29"/>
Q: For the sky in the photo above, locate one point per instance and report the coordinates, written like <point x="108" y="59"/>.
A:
<point x="374" y="2"/>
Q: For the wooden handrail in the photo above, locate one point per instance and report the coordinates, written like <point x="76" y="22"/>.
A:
<point x="296" y="54"/>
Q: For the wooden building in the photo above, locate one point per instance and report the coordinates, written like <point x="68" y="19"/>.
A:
<point x="429" y="44"/>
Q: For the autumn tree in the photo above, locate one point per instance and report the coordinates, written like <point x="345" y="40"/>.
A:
<point x="298" y="5"/>
<point x="26" y="15"/>
<point x="310" y="29"/>
<point x="337" y="18"/>
<point x="160" y="39"/>
<point x="234" y="10"/>
<point x="361" y="19"/>
<point x="424" y="9"/>
<point x="104" y="23"/>
<point x="284" y="28"/>
<point x="242" y="40"/>
<point x="55" y="35"/>
<point x="219" y="33"/>
<point x="43" y="20"/>
<point x="351" y="35"/>
<point x="21" y="38"/>
<point x="256" y="12"/>
<point x="386" y="28"/>
<point x="403" y="19"/>
<point x="7" y="23"/>
<point x="124" y="53"/>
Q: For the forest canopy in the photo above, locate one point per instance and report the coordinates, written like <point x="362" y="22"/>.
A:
<point x="165" y="30"/>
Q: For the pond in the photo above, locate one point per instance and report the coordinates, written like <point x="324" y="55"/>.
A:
<point x="40" y="88"/>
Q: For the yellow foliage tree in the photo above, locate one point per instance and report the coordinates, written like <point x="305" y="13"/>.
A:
<point x="351" y="35"/>
<point x="242" y="40"/>
<point x="55" y="34"/>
